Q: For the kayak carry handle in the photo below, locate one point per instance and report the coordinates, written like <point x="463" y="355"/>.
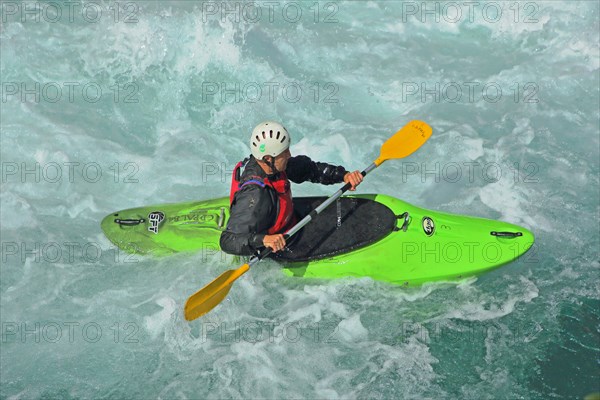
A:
<point x="129" y="222"/>
<point x="506" y="234"/>
<point x="404" y="226"/>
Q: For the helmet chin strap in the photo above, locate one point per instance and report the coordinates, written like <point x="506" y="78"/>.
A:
<point x="271" y="164"/>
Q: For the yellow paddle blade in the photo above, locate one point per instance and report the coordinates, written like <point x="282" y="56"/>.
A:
<point x="405" y="142"/>
<point x="212" y="294"/>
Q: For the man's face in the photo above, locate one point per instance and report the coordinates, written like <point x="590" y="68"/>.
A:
<point x="282" y="160"/>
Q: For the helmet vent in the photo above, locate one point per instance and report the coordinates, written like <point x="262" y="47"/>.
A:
<point x="268" y="138"/>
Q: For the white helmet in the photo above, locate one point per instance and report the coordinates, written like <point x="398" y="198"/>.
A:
<point x="269" y="139"/>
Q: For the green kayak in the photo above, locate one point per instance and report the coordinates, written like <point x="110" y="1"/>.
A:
<point x="374" y="236"/>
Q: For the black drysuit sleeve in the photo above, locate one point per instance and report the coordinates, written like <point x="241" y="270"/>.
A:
<point x="301" y="169"/>
<point x="251" y="216"/>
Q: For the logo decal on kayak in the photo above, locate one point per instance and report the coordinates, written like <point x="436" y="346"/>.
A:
<point x="155" y="218"/>
<point x="428" y="226"/>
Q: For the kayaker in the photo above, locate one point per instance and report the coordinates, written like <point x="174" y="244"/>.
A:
<point x="261" y="207"/>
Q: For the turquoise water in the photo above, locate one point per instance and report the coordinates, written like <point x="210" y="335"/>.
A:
<point x="112" y="105"/>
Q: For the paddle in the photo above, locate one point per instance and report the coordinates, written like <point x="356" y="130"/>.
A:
<point x="404" y="142"/>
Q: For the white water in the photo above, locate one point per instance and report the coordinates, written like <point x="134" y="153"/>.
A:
<point x="81" y="319"/>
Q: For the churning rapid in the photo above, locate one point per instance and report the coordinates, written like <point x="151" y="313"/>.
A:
<point x="113" y="105"/>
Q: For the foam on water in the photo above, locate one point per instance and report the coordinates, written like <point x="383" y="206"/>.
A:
<point x="514" y="332"/>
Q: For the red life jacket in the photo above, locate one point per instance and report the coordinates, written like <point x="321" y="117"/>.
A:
<point x="285" y="218"/>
